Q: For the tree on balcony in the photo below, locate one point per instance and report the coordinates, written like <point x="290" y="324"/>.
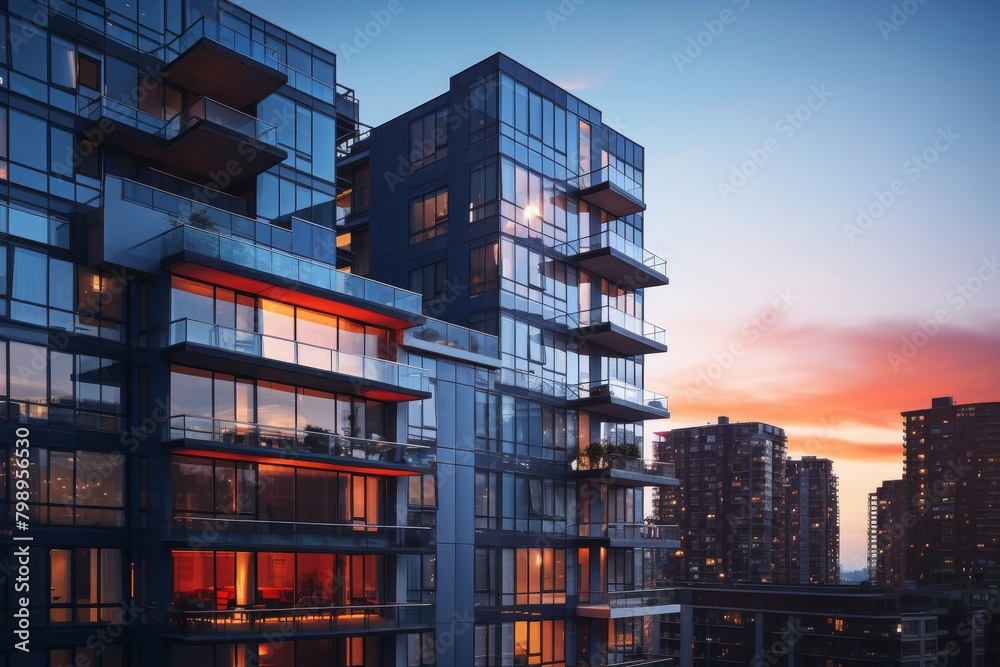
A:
<point x="199" y="219"/>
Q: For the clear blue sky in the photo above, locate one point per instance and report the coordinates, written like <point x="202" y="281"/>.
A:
<point x="886" y="80"/>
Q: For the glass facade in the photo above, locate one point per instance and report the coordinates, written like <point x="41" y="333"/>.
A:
<point x="233" y="438"/>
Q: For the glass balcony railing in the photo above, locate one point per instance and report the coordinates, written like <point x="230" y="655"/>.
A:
<point x="456" y="337"/>
<point x="616" y="242"/>
<point x="202" y="531"/>
<point x="316" y="618"/>
<point x="213" y="31"/>
<point x="628" y="531"/>
<point x="294" y="441"/>
<point x="626" y="599"/>
<point x="622" y="391"/>
<point x="299" y="353"/>
<point x="617" y="318"/>
<point x="614" y="176"/>
<point x="137" y="213"/>
<point x="203" y="109"/>
<point x="293" y="270"/>
<point x="625" y="464"/>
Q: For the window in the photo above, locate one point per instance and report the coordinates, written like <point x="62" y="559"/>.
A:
<point x="483" y="273"/>
<point x="482" y="191"/>
<point x="429" y="215"/>
<point x="77" y="488"/>
<point x="429" y="139"/>
<point x="539" y="643"/>
<point x="88" y="71"/>
<point x="85" y="585"/>
<point x="431" y="281"/>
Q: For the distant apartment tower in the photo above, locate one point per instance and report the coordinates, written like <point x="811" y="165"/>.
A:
<point x="813" y="521"/>
<point x="886" y="534"/>
<point x="952" y="479"/>
<point x="730" y="501"/>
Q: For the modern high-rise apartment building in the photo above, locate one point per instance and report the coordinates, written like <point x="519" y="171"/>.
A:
<point x="730" y="503"/>
<point x="514" y="210"/>
<point x="238" y="454"/>
<point x="952" y="479"/>
<point x="218" y="470"/>
<point x="813" y="522"/>
<point x="887" y="516"/>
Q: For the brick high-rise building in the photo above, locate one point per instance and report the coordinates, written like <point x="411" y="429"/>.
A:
<point x="813" y="522"/>
<point x="730" y="504"/>
<point x="887" y="508"/>
<point x="952" y="480"/>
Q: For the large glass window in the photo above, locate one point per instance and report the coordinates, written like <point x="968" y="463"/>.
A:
<point x="483" y="262"/>
<point x="77" y="488"/>
<point x="31" y="56"/>
<point x="429" y="138"/>
<point x="429" y="215"/>
<point x="85" y="585"/>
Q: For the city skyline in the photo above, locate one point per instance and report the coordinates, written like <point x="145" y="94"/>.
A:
<point x="908" y="78"/>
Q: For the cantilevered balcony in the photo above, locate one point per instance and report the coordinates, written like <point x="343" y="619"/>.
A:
<point x="249" y="440"/>
<point x="302" y="621"/>
<point x="234" y="533"/>
<point x="627" y="604"/>
<point x="204" y="139"/>
<point x="616" y="330"/>
<point x="211" y="59"/>
<point x="621" y="401"/>
<point x="146" y="229"/>
<point x="617" y="259"/>
<point x="227" y="349"/>
<point x="630" y="535"/>
<point x="631" y="659"/>
<point x="450" y="340"/>
<point x="611" y="190"/>
<point x="625" y="470"/>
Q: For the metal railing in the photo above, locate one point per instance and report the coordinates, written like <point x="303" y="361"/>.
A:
<point x="624" y="392"/>
<point x="628" y="531"/>
<point x="318" y="618"/>
<point x="617" y="242"/>
<point x="292" y="440"/>
<point x="632" y="598"/>
<point x="626" y="464"/>
<point x="202" y="109"/>
<point x="299" y="353"/>
<point x="454" y="336"/>
<point x="614" y="176"/>
<point x="202" y="531"/>
<point x="615" y="317"/>
<point x="206" y="28"/>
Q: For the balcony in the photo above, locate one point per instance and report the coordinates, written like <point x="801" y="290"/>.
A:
<point x="628" y="604"/>
<point x="372" y="455"/>
<point x="616" y="330"/>
<point x="621" y="261"/>
<point x="631" y="535"/>
<point x="212" y="533"/>
<point x="624" y="470"/>
<point x="450" y="340"/>
<point x="227" y="349"/>
<point x="620" y="659"/>
<point x="611" y="190"/>
<point x="144" y="228"/>
<point x="252" y="623"/>
<point x="205" y="139"/>
<point x="621" y="401"/>
<point x="212" y="59"/>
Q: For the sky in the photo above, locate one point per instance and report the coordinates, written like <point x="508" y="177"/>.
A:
<point x="821" y="177"/>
